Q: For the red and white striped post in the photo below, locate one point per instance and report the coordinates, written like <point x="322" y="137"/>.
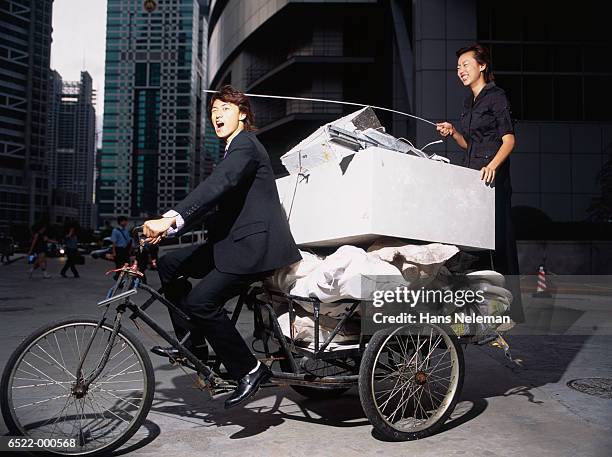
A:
<point x="541" y="290"/>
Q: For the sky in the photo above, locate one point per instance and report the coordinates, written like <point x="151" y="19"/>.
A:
<point x="79" y="36"/>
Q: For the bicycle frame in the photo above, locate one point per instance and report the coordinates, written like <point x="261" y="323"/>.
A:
<point x="128" y="284"/>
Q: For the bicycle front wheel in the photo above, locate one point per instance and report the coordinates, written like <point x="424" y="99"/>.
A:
<point x="42" y="399"/>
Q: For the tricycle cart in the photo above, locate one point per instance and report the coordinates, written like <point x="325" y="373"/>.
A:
<point x="85" y="386"/>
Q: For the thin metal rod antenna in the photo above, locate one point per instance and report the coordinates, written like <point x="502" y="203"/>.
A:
<point x="333" y="101"/>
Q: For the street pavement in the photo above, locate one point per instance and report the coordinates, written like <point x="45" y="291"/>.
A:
<point x="504" y="410"/>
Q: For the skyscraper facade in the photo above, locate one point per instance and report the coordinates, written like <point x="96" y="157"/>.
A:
<point x="24" y="74"/>
<point x="153" y="109"/>
<point x="71" y="149"/>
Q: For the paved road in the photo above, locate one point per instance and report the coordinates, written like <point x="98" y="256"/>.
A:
<point x="504" y="410"/>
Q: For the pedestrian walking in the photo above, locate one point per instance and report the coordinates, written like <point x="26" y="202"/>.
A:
<point x="71" y="250"/>
<point x="37" y="255"/>
<point x="122" y="243"/>
<point x="6" y="249"/>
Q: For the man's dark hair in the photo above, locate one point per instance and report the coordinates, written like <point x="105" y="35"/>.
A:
<point x="121" y="219"/>
<point x="482" y="56"/>
<point x="230" y="95"/>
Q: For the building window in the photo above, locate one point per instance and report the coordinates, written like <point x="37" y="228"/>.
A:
<point x="141" y="74"/>
<point x="553" y="69"/>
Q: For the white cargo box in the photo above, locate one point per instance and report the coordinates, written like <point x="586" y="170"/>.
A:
<point x="377" y="192"/>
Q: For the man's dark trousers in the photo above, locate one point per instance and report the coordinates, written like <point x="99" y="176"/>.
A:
<point x="205" y="302"/>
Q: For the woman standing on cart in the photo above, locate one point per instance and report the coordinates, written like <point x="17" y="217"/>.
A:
<point x="249" y="238"/>
<point x="487" y="136"/>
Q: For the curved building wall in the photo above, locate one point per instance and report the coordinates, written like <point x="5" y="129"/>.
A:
<point x="237" y="21"/>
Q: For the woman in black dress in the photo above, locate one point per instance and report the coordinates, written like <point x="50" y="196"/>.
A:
<point x="487" y="136"/>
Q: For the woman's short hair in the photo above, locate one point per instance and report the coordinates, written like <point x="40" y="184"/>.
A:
<point x="482" y="56"/>
<point x="230" y="95"/>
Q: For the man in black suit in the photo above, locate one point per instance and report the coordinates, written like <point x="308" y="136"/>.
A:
<point x="249" y="238"/>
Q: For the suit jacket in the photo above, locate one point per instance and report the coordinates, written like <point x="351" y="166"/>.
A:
<point x="250" y="233"/>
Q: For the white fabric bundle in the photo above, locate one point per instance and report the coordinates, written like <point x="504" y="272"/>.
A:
<point x="351" y="272"/>
<point x="497" y="300"/>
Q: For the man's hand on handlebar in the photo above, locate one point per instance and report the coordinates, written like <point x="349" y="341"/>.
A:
<point x="156" y="229"/>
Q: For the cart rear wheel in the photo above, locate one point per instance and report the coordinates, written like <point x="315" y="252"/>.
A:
<point x="410" y="379"/>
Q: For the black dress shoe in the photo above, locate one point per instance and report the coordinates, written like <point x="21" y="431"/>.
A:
<point x="248" y="385"/>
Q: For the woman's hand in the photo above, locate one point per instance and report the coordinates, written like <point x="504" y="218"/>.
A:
<point x="487" y="174"/>
<point x="445" y="129"/>
<point x="155" y="229"/>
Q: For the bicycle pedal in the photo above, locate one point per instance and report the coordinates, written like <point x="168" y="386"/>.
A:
<point x="181" y="361"/>
<point x="221" y="388"/>
<point x="221" y="385"/>
<point x="175" y="361"/>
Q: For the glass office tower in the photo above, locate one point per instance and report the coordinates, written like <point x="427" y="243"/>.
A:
<point x="152" y="131"/>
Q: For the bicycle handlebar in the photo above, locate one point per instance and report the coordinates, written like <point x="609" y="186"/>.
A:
<point x="138" y="230"/>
